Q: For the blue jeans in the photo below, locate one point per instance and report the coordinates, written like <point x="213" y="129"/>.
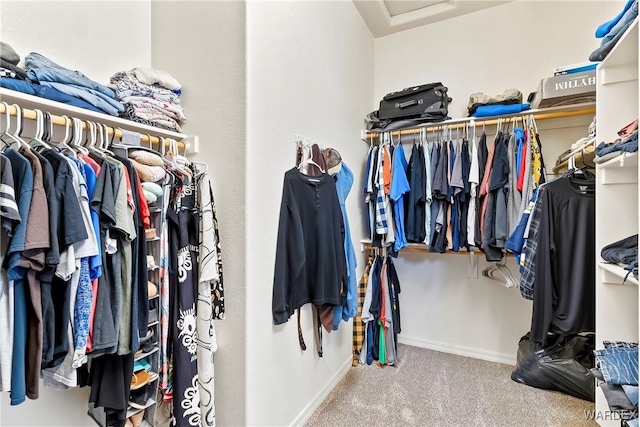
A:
<point x="41" y="68"/>
<point x="629" y="145"/>
<point x="46" y="92"/>
<point x="93" y="97"/>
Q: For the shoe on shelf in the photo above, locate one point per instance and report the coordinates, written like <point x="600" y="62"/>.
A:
<point x="139" y="379"/>
<point x="150" y="233"/>
<point x="141" y="365"/>
<point x="128" y="423"/>
<point x="152" y="289"/>
<point x="138" y="398"/>
<point x="151" y="263"/>
<point x="136" y="419"/>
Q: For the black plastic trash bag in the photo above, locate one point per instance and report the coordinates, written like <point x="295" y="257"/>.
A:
<point x="562" y="365"/>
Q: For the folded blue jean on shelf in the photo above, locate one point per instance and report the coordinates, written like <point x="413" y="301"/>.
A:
<point x="600" y="53"/>
<point x="619" y="365"/>
<point x="629" y="15"/>
<point x="603" y="29"/>
<point x="632" y="393"/>
<point x="628" y="145"/>
<point x="617" y="398"/>
<point x="42" y="69"/>
<point x="93" y="97"/>
<point x="45" y="92"/>
<point x="500" y="109"/>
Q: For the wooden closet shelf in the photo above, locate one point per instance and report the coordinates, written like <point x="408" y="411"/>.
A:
<point x="30" y="103"/>
<point x="539" y="114"/>
<point x="365" y="245"/>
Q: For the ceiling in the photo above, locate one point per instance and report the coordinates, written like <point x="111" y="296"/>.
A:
<point x="385" y="17"/>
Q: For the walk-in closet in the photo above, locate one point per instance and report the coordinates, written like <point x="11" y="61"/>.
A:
<point x="272" y="213"/>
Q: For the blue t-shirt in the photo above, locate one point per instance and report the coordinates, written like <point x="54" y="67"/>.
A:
<point x="399" y="186"/>
<point x="344" y="182"/>
<point x="23" y="186"/>
<point x="95" y="262"/>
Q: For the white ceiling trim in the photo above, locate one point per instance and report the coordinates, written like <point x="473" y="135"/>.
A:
<point x="381" y="23"/>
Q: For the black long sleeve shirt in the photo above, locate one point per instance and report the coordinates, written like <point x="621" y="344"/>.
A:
<point x="564" y="290"/>
<point x="310" y="257"/>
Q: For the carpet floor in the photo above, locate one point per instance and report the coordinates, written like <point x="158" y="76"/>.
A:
<point x="430" y="388"/>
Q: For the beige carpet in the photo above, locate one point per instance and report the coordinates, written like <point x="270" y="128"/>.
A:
<point x="429" y="388"/>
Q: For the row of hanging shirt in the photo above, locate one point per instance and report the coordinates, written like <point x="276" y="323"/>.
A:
<point x="452" y="193"/>
<point x="74" y="282"/>
<point x="377" y="323"/>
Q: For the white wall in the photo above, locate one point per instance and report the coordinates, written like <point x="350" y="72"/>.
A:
<point x="309" y="73"/>
<point x="512" y="45"/>
<point x="89" y="37"/>
<point x="208" y="58"/>
<point x="97" y="38"/>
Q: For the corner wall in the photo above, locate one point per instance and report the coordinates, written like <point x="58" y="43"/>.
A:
<point x="206" y="52"/>
<point x="309" y="73"/>
<point x="511" y="45"/>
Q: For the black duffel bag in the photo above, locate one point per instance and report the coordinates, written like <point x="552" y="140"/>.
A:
<point x="429" y="102"/>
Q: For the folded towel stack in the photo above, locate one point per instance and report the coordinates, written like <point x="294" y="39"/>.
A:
<point x="150" y="97"/>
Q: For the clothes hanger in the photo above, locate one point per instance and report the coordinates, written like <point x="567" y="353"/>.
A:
<point x="76" y="143"/>
<point x="37" y="140"/>
<point x="311" y="162"/>
<point x="8" y="137"/>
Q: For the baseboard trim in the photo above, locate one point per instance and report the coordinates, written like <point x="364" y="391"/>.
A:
<point x="491" y="356"/>
<point x="323" y="393"/>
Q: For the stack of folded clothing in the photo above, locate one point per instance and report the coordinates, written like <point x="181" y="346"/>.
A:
<point x="14" y="78"/>
<point x="9" y="60"/>
<point x="611" y="31"/>
<point x="509" y="102"/>
<point x="624" y="253"/>
<point x="627" y="142"/>
<point x="580" y="144"/>
<point x="73" y="83"/>
<point x="617" y="372"/>
<point x="151" y="97"/>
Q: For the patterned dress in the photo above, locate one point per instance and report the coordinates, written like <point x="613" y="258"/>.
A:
<point x="183" y="225"/>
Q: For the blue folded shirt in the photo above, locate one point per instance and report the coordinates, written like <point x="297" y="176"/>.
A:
<point x="500" y="109"/>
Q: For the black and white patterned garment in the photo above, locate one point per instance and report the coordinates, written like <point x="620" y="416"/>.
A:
<point x="210" y="297"/>
<point x="6" y="73"/>
<point x="183" y="226"/>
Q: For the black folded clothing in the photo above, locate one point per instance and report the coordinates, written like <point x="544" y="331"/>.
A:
<point x="624" y="251"/>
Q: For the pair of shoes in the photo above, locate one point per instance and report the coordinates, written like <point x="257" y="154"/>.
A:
<point x="134" y="420"/>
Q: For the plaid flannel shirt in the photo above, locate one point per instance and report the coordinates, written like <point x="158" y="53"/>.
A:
<point x="382" y="226"/>
<point x="358" y="325"/>
<point x="528" y="276"/>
